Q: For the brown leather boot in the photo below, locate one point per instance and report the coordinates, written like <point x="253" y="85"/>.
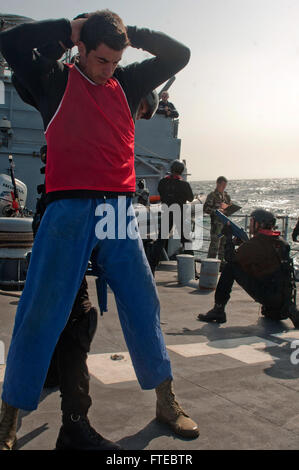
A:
<point x="170" y="412"/>
<point x="8" y="426"/>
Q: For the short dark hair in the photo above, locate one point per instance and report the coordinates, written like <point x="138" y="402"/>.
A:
<point x="104" y="26"/>
<point x="177" y="167"/>
<point x="221" y="179"/>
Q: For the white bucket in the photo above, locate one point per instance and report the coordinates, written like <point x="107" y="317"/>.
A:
<point x="186" y="268"/>
<point x="209" y="273"/>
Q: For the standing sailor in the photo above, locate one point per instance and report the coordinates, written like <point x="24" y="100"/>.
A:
<point x="173" y="190"/>
<point x="218" y="199"/>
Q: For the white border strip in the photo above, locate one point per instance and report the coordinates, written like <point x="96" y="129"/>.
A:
<point x="83" y="75"/>
<point x="57" y="110"/>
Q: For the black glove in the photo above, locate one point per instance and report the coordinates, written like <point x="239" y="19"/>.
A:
<point x="237" y="241"/>
<point x="295" y="232"/>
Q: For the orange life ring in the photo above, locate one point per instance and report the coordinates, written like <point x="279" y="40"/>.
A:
<point x="154" y="199"/>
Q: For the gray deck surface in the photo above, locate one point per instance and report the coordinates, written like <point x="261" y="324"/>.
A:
<point x="244" y="394"/>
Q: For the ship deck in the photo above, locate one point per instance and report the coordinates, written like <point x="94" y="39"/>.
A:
<point x="236" y="379"/>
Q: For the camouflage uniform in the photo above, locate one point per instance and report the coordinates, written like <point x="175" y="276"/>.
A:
<point x="212" y="203"/>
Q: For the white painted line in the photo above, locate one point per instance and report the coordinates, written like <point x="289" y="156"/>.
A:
<point x="287" y="335"/>
<point x="254" y="341"/>
<point x="193" y="350"/>
<point x="219" y="346"/>
<point x="249" y="355"/>
<point x="102" y="367"/>
<point x="2" y="372"/>
<point x="246" y="349"/>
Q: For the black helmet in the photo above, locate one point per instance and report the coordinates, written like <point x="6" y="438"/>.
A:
<point x="265" y="218"/>
<point x="152" y="100"/>
<point x="177" y="167"/>
<point x="141" y="184"/>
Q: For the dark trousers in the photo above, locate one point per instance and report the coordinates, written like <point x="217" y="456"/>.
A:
<point x="217" y="243"/>
<point x="264" y="291"/>
<point x="157" y="247"/>
<point x="68" y="365"/>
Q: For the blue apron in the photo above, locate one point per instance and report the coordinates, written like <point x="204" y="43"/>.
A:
<point x="69" y="231"/>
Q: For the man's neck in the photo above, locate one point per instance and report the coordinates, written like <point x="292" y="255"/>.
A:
<point x="82" y="71"/>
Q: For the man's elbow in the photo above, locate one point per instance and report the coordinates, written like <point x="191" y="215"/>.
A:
<point x="185" y="55"/>
<point x="6" y="46"/>
<point x="2" y="44"/>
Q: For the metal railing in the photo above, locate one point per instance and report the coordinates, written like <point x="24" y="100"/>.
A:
<point x="284" y="226"/>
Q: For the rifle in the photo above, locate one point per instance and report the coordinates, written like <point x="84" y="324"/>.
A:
<point x="236" y="230"/>
<point x="15" y="194"/>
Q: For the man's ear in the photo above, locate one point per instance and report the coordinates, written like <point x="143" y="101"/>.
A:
<point x="81" y="49"/>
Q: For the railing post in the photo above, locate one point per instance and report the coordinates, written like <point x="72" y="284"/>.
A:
<point x="286" y="227"/>
<point x="246" y="223"/>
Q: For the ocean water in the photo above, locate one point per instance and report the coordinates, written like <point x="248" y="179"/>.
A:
<point x="281" y="196"/>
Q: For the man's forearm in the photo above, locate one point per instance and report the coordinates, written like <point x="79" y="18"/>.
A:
<point x="17" y="43"/>
<point x="160" y="45"/>
<point x="138" y="79"/>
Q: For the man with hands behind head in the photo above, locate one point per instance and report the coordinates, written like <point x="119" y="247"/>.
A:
<point x="88" y="110"/>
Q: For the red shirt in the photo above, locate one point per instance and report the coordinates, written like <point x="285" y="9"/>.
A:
<point x="91" y="138"/>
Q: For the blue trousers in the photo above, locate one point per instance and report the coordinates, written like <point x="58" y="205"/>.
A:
<point x="63" y="245"/>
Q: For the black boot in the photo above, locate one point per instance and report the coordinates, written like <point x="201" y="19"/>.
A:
<point x="77" y="434"/>
<point x="273" y="314"/>
<point x="217" y="314"/>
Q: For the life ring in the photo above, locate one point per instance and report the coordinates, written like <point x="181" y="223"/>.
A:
<point x="16" y="239"/>
<point x="154" y="199"/>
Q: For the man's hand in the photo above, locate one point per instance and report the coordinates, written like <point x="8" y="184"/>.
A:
<point x="237" y="241"/>
<point x="76" y="29"/>
<point x="223" y="206"/>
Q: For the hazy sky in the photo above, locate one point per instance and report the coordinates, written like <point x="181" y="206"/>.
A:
<point x="238" y="97"/>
